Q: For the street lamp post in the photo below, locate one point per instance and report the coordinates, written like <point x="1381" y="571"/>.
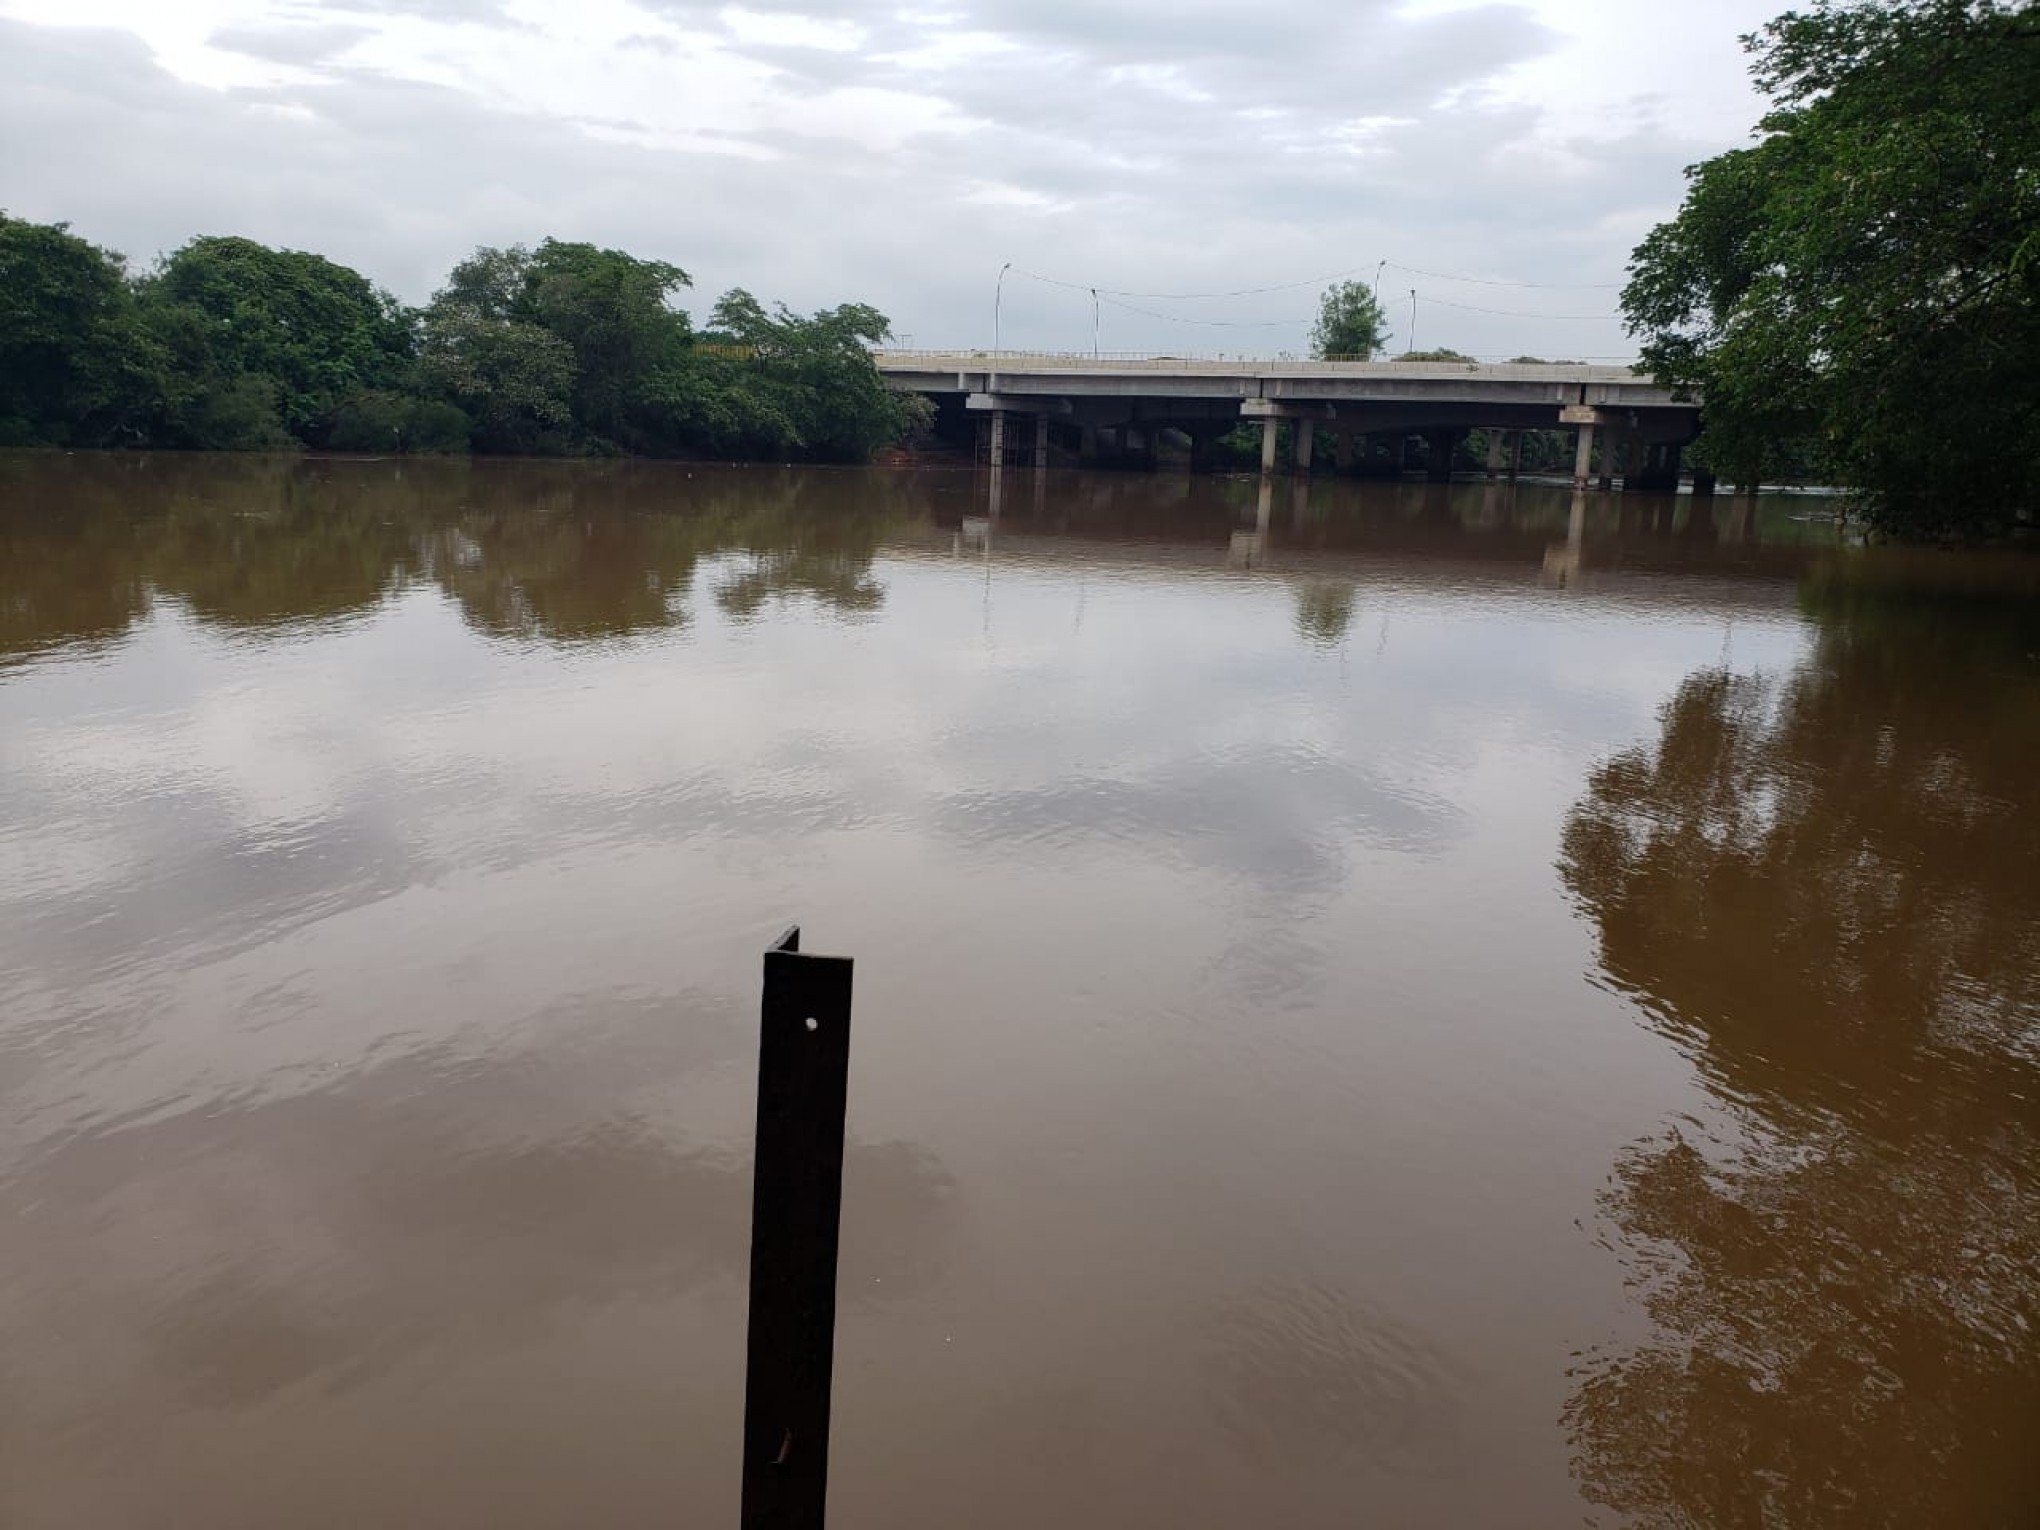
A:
<point x="1413" y="321"/>
<point x="1377" y="298"/>
<point x="998" y="297"/>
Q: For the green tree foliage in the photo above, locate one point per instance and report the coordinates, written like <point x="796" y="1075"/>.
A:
<point x="64" y="307"/>
<point x="514" y="379"/>
<point x="805" y="385"/>
<point x="251" y="323"/>
<point x="1438" y="355"/>
<point x="1350" y="323"/>
<point x="1863" y="276"/>
<point x="561" y="348"/>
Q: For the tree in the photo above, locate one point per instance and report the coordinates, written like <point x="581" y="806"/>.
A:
<point x="1437" y="355"/>
<point x="255" y="322"/>
<point x="1862" y="276"/>
<point x="513" y="379"/>
<point x="611" y="308"/>
<point x="567" y="347"/>
<point x="806" y="385"/>
<point x="1350" y="323"/>
<point x="65" y="374"/>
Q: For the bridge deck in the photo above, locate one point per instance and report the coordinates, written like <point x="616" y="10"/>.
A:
<point x="1023" y="364"/>
<point x="1137" y="397"/>
<point x="1057" y="383"/>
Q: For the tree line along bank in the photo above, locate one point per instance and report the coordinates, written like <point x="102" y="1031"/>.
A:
<point x="564" y="348"/>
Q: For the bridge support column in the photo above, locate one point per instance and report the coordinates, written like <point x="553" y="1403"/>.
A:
<point x="1438" y="467"/>
<point x="1087" y="445"/>
<point x="1306" y="430"/>
<point x="1041" y="441"/>
<point x="1269" y="426"/>
<point x="998" y="438"/>
<point x="1515" y="454"/>
<point x="1658" y="471"/>
<point x="1495" y="447"/>
<point x="1611" y="458"/>
<point x="1583" y="458"/>
<point x="1703" y="481"/>
<point x="1342" y="450"/>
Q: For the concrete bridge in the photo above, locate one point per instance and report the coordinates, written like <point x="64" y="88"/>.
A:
<point x="1119" y="406"/>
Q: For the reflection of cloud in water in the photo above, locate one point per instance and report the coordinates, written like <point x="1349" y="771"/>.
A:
<point x="1308" y="1379"/>
<point x="425" y="1210"/>
<point x="1277" y="818"/>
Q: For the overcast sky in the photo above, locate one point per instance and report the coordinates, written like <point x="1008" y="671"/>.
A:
<point x="898" y="152"/>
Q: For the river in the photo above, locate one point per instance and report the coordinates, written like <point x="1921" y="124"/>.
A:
<point x="1376" y="1004"/>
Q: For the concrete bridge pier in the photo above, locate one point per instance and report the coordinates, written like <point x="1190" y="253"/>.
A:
<point x="998" y="438"/>
<point x="1041" y="441"/>
<point x="1438" y="462"/>
<point x="1586" y="417"/>
<point x="1515" y="454"/>
<point x="1270" y="428"/>
<point x="1306" y="429"/>
<point x="1658" y="471"/>
<point x="1611" y="456"/>
<point x="1496" y="445"/>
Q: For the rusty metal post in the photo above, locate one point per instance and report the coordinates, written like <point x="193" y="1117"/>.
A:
<point x="796" y="1204"/>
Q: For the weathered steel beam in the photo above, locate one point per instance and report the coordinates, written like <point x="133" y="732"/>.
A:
<point x="796" y="1207"/>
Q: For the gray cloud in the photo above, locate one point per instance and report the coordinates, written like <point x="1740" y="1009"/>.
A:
<point x="300" y="45"/>
<point x="1206" y="149"/>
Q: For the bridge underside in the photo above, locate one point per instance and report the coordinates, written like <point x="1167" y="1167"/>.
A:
<point x="1636" y="448"/>
<point x="1374" y="418"/>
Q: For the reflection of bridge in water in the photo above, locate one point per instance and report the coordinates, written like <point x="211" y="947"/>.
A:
<point x="1740" y="552"/>
<point x="1098" y="409"/>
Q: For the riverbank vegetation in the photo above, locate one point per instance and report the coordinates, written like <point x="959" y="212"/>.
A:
<point x="1862" y="286"/>
<point x="560" y="349"/>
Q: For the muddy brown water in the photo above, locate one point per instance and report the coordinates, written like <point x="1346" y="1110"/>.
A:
<point x="1376" y="1005"/>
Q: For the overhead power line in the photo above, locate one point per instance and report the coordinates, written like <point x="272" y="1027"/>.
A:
<point x="1314" y="281"/>
<point x="1484" y="281"/>
<point x="1515" y="313"/>
<point x="1309" y="319"/>
<point x="1174" y="318"/>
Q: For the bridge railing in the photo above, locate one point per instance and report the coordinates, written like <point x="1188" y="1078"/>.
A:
<point x="913" y="359"/>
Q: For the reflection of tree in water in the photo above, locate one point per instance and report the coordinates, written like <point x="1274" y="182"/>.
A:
<point x="794" y="546"/>
<point x="69" y="571"/>
<point x="564" y="552"/>
<point x="244" y="541"/>
<point x="1324" y="610"/>
<point x="1825" y="891"/>
<point x="566" y="577"/>
<point x="587" y="555"/>
<point x="280" y="541"/>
